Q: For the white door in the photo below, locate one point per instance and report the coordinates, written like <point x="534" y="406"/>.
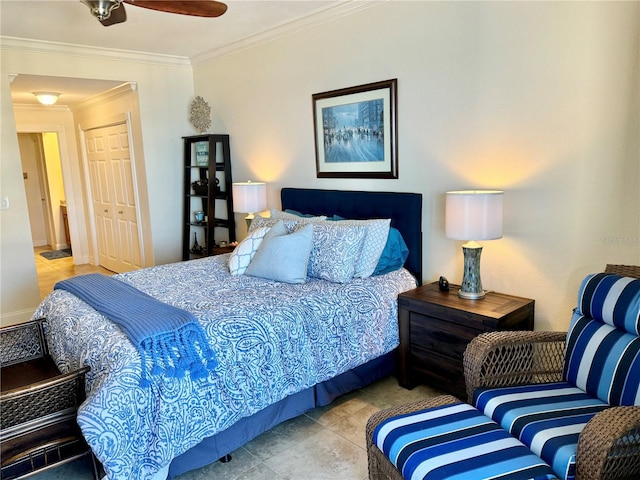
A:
<point x="112" y="191"/>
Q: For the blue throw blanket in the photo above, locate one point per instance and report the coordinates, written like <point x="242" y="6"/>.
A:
<point x="169" y="339"/>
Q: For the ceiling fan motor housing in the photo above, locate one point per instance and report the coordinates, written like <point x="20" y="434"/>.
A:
<point x="101" y="9"/>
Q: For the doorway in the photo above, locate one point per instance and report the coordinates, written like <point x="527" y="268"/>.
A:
<point x="44" y="188"/>
<point x="86" y="105"/>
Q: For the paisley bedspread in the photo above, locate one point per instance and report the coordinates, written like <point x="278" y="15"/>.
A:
<point x="271" y="340"/>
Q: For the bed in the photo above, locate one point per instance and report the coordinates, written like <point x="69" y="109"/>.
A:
<point x="281" y="348"/>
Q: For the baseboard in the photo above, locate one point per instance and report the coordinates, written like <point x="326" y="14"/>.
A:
<point x="14" y="318"/>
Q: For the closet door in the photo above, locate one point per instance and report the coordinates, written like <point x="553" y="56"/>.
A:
<point x="113" y="198"/>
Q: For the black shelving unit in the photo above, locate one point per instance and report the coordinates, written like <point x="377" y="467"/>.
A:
<point x="207" y="189"/>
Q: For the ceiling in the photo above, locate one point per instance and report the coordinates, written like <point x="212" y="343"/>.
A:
<point x="146" y="31"/>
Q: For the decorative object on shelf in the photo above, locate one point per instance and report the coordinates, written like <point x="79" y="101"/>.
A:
<point x="200" y="114"/>
<point x="356" y="131"/>
<point x="473" y="215"/>
<point x="202" y="154"/>
<point x="249" y="197"/>
<point x="199" y="216"/>
<point x="197" y="248"/>
<point x="201" y="187"/>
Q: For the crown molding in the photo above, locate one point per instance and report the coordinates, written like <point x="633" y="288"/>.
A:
<point x="320" y="17"/>
<point x="40" y="108"/>
<point x="115" y="92"/>
<point x="100" y="53"/>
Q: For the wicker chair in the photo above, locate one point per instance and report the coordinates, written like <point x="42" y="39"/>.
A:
<point x="608" y="447"/>
<point x="38" y="406"/>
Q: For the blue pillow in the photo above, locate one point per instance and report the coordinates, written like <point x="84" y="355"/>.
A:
<point x="283" y="257"/>
<point x="393" y="255"/>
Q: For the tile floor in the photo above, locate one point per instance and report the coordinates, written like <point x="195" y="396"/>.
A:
<point x="52" y="271"/>
<point x="324" y="444"/>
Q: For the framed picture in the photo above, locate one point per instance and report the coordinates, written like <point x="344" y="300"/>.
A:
<point x="356" y="131"/>
<point x="202" y="154"/>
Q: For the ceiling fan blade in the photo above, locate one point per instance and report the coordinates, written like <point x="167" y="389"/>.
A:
<point x="118" y="15"/>
<point x="196" y="8"/>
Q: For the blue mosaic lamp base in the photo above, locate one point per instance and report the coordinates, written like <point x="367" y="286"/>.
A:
<point x="471" y="287"/>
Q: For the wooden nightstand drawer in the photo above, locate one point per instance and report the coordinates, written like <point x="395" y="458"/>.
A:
<point x="437" y="370"/>
<point x="436" y="327"/>
<point x="447" y="338"/>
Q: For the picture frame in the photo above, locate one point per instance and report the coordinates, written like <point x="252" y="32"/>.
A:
<point x="202" y="154"/>
<point x="356" y="131"/>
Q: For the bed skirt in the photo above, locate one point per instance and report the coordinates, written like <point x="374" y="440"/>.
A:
<point x="246" y="429"/>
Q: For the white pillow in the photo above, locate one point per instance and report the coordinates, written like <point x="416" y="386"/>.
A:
<point x="242" y="255"/>
<point x="335" y="251"/>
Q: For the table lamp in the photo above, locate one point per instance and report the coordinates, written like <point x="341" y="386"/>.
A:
<point x="249" y="197"/>
<point x="473" y="215"/>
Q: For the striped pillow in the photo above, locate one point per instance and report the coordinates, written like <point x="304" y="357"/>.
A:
<point x="603" y="361"/>
<point x="612" y="299"/>
<point x="603" y="348"/>
<point x="453" y="442"/>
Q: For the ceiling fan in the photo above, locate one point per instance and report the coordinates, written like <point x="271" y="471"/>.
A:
<point x="110" y="12"/>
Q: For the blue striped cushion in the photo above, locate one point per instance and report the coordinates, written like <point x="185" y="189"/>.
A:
<point x="547" y="418"/>
<point x="455" y="442"/>
<point x="603" y="361"/>
<point x="612" y="299"/>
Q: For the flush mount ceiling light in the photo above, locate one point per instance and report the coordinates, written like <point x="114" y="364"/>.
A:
<point x="47" y="98"/>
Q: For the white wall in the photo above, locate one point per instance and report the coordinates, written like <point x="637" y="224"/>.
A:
<point x="537" y="98"/>
<point x="18" y="282"/>
<point x="165" y="90"/>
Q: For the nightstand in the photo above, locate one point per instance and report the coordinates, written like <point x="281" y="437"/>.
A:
<point x="220" y="250"/>
<point x="435" y="328"/>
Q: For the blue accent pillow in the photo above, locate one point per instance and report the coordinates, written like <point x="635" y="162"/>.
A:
<point x="283" y="257"/>
<point x="393" y="255"/>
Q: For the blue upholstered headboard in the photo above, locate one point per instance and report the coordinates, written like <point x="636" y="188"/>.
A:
<point x="404" y="210"/>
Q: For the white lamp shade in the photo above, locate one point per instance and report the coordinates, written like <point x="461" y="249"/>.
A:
<point x="249" y="197"/>
<point x="474" y="214"/>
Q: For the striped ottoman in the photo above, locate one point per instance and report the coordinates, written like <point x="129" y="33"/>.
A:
<point x="446" y="440"/>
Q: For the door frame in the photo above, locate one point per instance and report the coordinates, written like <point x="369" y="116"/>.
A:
<point x="75" y="209"/>
<point x="108" y="121"/>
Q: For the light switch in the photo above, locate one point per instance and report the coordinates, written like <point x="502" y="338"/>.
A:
<point x="5" y="203"/>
